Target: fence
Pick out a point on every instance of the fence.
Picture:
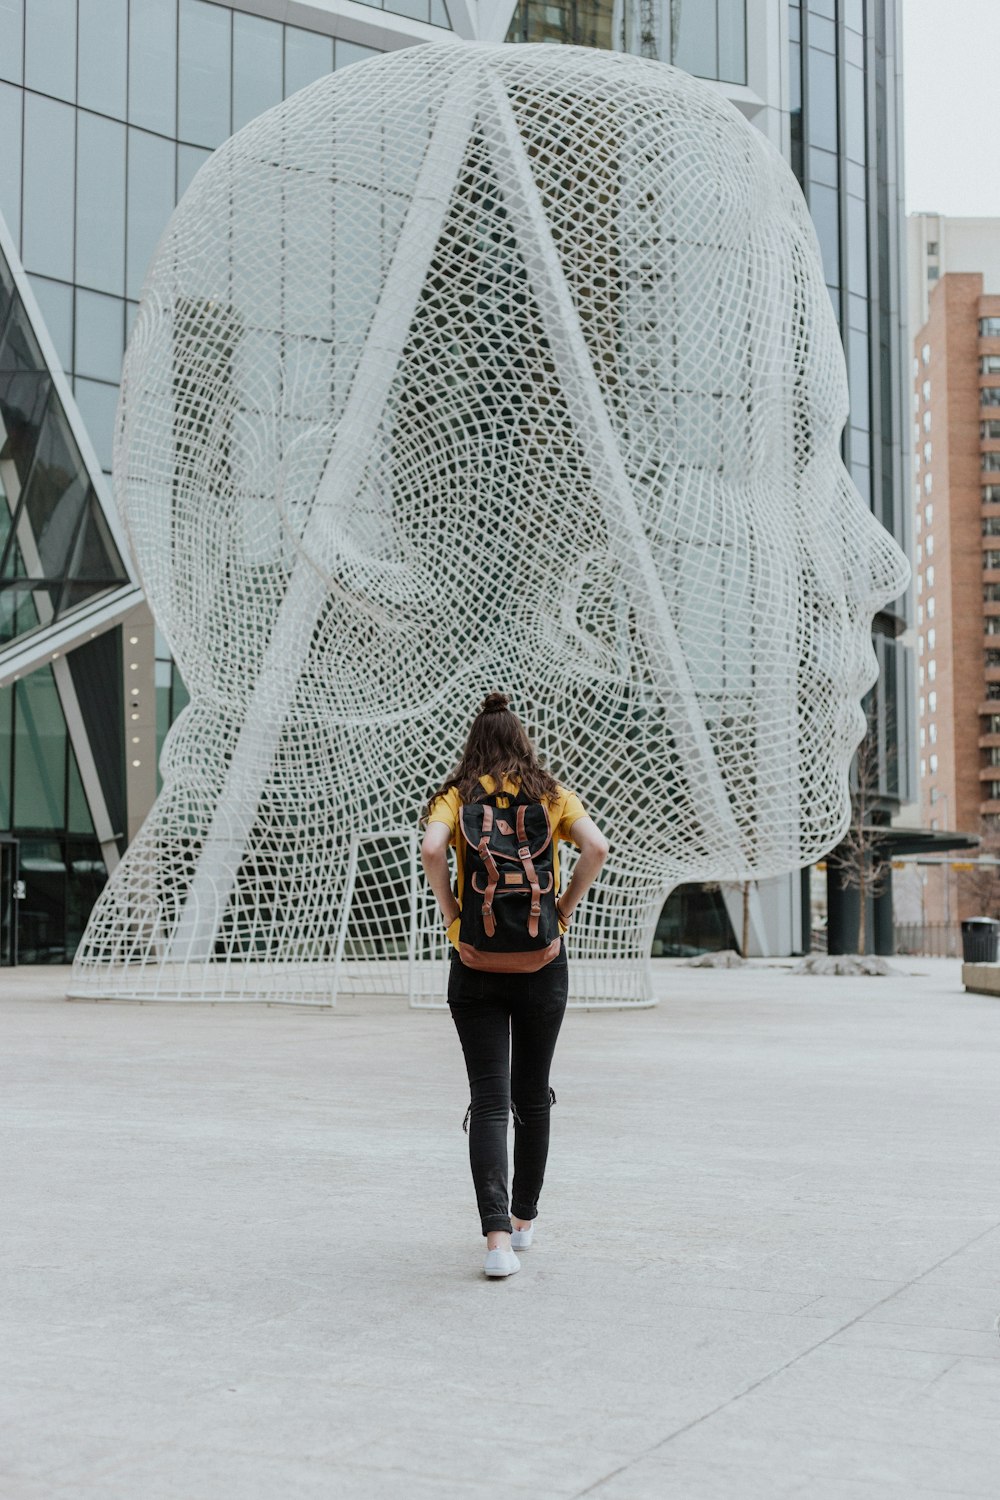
(929, 939)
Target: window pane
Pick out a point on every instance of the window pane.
(12, 31)
(98, 404)
(203, 102)
(307, 57)
(99, 335)
(103, 56)
(54, 498)
(50, 47)
(152, 63)
(189, 159)
(857, 245)
(39, 753)
(732, 41)
(345, 53)
(854, 108)
(10, 156)
(822, 77)
(150, 201)
(824, 208)
(6, 741)
(256, 67)
(695, 37)
(48, 187)
(55, 301)
(100, 225)
(439, 14)
(41, 916)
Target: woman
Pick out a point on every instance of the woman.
(507, 1022)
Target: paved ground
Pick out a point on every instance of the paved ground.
(242, 1260)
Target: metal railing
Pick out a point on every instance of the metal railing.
(929, 939)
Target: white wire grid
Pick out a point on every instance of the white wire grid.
(470, 368)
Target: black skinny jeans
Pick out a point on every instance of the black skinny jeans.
(508, 1025)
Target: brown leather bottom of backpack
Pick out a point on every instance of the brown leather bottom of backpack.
(509, 963)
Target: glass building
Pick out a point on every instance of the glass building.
(107, 109)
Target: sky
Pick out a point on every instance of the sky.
(951, 86)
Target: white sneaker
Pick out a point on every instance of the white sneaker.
(501, 1263)
(520, 1239)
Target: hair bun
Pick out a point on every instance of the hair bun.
(495, 703)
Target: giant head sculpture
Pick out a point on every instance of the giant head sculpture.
(476, 367)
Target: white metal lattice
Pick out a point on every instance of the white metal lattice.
(470, 368)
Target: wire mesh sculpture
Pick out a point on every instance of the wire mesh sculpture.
(467, 368)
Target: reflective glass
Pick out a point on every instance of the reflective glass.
(732, 41)
(6, 743)
(824, 208)
(50, 47)
(79, 813)
(854, 14)
(189, 159)
(100, 199)
(854, 108)
(151, 162)
(204, 86)
(86, 877)
(695, 37)
(39, 754)
(822, 34)
(152, 65)
(95, 564)
(854, 48)
(47, 235)
(12, 31)
(54, 499)
(103, 56)
(439, 14)
(23, 398)
(10, 157)
(345, 53)
(822, 82)
(414, 10)
(41, 916)
(55, 301)
(99, 335)
(857, 245)
(858, 380)
(307, 57)
(98, 404)
(257, 48)
(823, 8)
(823, 167)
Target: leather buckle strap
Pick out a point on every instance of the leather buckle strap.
(489, 920)
(524, 855)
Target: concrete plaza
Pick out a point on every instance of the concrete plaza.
(242, 1261)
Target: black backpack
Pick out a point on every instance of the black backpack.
(509, 922)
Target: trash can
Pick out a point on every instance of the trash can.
(980, 940)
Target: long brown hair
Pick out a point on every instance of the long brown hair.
(497, 746)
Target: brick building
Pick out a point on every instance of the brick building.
(956, 459)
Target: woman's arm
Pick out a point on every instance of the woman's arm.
(434, 858)
(593, 847)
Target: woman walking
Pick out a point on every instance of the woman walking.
(505, 816)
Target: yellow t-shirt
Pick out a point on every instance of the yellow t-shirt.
(563, 811)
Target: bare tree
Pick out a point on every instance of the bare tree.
(858, 856)
(979, 884)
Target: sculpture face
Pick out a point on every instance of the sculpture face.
(495, 367)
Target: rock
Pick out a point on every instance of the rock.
(844, 963)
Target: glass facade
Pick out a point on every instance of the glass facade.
(107, 110)
(56, 551)
(845, 136)
(705, 37)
